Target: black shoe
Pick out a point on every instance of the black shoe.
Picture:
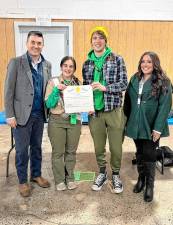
(141, 171)
(99, 181)
(139, 185)
(148, 194)
(150, 177)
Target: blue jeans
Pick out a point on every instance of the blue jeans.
(29, 137)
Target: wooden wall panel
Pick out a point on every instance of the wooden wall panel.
(79, 40)
(113, 31)
(9, 25)
(3, 59)
(127, 38)
(169, 54)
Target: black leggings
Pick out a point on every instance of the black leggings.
(146, 149)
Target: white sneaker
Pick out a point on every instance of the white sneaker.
(117, 185)
(71, 185)
(61, 187)
(99, 182)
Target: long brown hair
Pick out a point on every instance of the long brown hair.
(159, 80)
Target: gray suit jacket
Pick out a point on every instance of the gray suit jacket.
(19, 90)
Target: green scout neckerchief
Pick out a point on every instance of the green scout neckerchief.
(73, 117)
(98, 76)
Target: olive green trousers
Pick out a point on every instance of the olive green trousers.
(108, 124)
(64, 138)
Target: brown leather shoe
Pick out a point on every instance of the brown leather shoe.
(24, 190)
(42, 182)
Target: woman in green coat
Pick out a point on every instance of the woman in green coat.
(147, 104)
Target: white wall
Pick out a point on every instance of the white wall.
(89, 9)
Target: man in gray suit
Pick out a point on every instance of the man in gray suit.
(25, 84)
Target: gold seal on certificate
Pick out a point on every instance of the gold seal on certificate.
(78, 99)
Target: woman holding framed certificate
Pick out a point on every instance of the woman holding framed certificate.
(63, 129)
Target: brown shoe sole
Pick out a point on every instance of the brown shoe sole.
(43, 185)
(25, 190)
(25, 194)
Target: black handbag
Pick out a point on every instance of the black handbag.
(165, 157)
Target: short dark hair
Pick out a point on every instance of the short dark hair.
(35, 33)
(64, 59)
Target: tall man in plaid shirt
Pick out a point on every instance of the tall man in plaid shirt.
(106, 73)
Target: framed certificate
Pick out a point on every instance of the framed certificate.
(78, 99)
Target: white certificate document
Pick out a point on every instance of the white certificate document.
(78, 99)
